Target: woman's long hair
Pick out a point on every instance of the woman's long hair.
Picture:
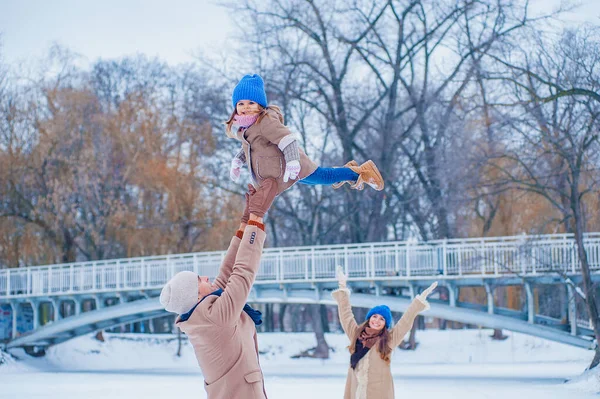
(382, 343)
(261, 115)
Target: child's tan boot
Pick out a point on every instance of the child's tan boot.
(370, 175)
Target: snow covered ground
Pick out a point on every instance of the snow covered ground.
(464, 364)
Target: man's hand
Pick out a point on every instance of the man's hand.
(260, 202)
(246, 215)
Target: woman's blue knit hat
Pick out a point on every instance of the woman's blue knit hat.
(383, 311)
(250, 87)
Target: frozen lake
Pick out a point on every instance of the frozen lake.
(462, 364)
(446, 381)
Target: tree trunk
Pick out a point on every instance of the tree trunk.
(322, 349)
(269, 317)
(411, 345)
(178, 342)
(99, 336)
(282, 309)
(498, 336)
(68, 248)
(324, 318)
(443, 324)
(588, 286)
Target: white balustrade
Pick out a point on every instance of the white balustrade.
(491, 257)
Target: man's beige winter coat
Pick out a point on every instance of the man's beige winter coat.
(263, 143)
(222, 334)
(372, 378)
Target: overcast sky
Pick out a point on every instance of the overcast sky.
(172, 30)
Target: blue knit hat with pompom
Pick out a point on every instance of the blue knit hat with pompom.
(250, 87)
(384, 312)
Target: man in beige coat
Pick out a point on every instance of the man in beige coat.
(215, 317)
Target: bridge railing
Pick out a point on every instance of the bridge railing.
(520, 255)
(584, 321)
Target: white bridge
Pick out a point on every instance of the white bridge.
(306, 274)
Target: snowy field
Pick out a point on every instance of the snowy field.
(464, 364)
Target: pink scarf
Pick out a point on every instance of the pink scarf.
(245, 121)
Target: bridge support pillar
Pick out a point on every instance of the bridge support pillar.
(317, 290)
(14, 307)
(56, 309)
(99, 302)
(452, 293)
(412, 291)
(530, 303)
(377, 289)
(571, 309)
(36, 313)
(78, 304)
(489, 290)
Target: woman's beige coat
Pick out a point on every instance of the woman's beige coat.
(263, 143)
(372, 378)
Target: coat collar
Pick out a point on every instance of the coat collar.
(254, 314)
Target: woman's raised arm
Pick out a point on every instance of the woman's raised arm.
(342, 297)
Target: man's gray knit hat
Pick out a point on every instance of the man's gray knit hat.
(180, 294)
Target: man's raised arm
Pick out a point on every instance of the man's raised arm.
(227, 264)
(228, 307)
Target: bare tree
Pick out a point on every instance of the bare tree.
(110, 163)
(388, 78)
(553, 149)
(382, 80)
